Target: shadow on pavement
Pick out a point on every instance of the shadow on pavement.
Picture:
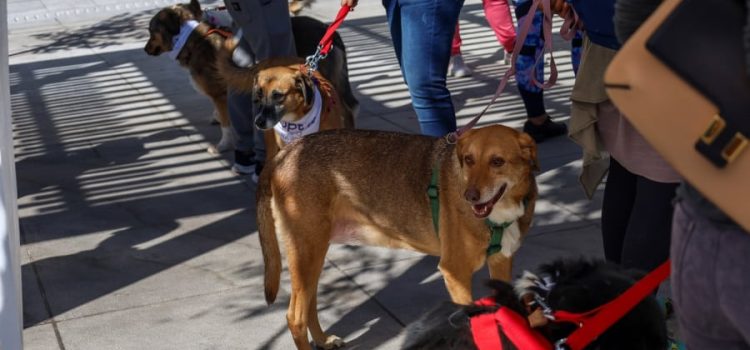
(111, 145)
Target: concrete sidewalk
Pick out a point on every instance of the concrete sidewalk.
(134, 237)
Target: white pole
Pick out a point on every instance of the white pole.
(11, 317)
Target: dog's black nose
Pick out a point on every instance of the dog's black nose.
(472, 195)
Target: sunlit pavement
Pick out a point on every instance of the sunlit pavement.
(134, 237)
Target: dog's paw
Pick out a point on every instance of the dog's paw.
(332, 342)
(213, 149)
(224, 145)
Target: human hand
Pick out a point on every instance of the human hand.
(350, 3)
(559, 7)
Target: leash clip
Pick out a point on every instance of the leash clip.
(312, 61)
(562, 344)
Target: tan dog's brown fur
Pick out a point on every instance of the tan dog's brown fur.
(370, 187)
(283, 84)
(198, 55)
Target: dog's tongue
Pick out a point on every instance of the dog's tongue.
(482, 210)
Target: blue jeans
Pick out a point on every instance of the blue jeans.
(422, 32)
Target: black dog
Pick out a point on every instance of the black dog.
(569, 285)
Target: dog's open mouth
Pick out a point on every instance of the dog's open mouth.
(483, 210)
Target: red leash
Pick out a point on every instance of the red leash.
(325, 44)
(595, 322)
(591, 323)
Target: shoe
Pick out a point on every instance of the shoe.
(506, 57)
(457, 67)
(546, 130)
(256, 173)
(244, 163)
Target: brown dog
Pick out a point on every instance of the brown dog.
(290, 102)
(371, 187)
(204, 47)
(198, 55)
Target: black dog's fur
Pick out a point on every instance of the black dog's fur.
(579, 286)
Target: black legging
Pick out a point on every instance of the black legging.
(636, 219)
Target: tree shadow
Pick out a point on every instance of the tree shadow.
(111, 146)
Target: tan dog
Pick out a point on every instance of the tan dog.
(371, 187)
(204, 47)
(198, 55)
(290, 102)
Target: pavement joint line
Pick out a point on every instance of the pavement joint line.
(571, 212)
(370, 296)
(573, 225)
(136, 5)
(383, 264)
(51, 319)
(147, 305)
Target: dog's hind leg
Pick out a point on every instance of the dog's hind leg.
(306, 252)
(320, 338)
(227, 134)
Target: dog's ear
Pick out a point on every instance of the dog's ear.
(461, 145)
(195, 8)
(305, 85)
(170, 20)
(528, 150)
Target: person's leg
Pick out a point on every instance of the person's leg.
(456, 44)
(428, 26)
(240, 109)
(709, 281)
(646, 244)
(269, 34)
(532, 95)
(393, 14)
(539, 124)
(575, 51)
(619, 196)
(456, 66)
(497, 13)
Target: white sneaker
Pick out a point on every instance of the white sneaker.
(457, 67)
(506, 57)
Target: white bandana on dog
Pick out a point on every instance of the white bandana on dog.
(308, 124)
(179, 41)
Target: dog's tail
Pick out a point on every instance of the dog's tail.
(237, 78)
(269, 242)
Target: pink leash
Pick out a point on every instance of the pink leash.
(547, 32)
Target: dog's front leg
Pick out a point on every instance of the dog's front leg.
(500, 266)
(458, 265)
(227, 133)
(458, 282)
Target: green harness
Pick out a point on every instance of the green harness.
(496, 230)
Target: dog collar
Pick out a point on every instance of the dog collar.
(179, 41)
(308, 124)
(496, 230)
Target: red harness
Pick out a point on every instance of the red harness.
(591, 323)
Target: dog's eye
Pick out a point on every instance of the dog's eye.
(468, 160)
(258, 94)
(497, 161)
(277, 95)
